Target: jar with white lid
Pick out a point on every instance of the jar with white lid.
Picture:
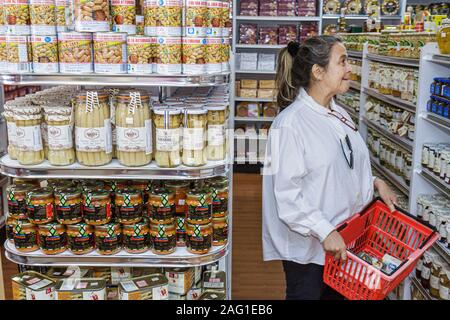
(194, 142)
(216, 137)
(59, 121)
(30, 148)
(168, 137)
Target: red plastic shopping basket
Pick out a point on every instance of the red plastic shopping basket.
(375, 230)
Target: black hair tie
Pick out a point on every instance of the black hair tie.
(293, 48)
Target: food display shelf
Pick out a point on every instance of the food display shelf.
(355, 54)
(357, 17)
(436, 182)
(255, 72)
(397, 181)
(400, 103)
(12, 168)
(254, 99)
(180, 258)
(260, 46)
(125, 80)
(443, 59)
(438, 121)
(355, 85)
(405, 62)
(254, 119)
(404, 143)
(349, 110)
(442, 250)
(277, 18)
(421, 289)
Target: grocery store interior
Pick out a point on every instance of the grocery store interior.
(133, 135)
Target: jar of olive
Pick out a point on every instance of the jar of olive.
(96, 207)
(68, 206)
(163, 237)
(136, 237)
(128, 204)
(40, 205)
(108, 238)
(17, 200)
(25, 236)
(219, 194)
(199, 238)
(81, 238)
(52, 238)
(199, 204)
(161, 205)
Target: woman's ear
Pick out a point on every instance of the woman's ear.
(317, 72)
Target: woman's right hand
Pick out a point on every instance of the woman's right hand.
(334, 244)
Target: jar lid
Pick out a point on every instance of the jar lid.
(218, 181)
(196, 192)
(92, 185)
(177, 184)
(68, 193)
(114, 226)
(216, 107)
(51, 226)
(161, 191)
(201, 226)
(96, 194)
(25, 223)
(130, 192)
(14, 189)
(126, 95)
(137, 226)
(40, 193)
(162, 111)
(27, 110)
(195, 111)
(101, 95)
(81, 227)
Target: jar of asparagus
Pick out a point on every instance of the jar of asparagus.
(216, 149)
(134, 129)
(93, 135)
(60, 141)
(30, 149)
(12, 136)
(168, 137)
(194, 139)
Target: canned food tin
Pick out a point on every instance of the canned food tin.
(214, 19)
(124, 16)
(213, 56)
(193, 55)
(110, 52)
(169, 18)
(18, 54)
(75, 52)
(45, 54)
(194, 293)
(42, 17)
(3, 59)
(225, 54)
(31, 285)
(151, 287)
(91, 15)
(141, 54)
(17, 17)
(194, 18)
(226, 18)
(62, 15)
(168, 60)
(150, 17)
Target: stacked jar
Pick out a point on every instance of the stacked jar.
(436, 158)
(219, 195)
(199, 229)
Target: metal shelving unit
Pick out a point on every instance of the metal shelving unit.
(255, 119)
(402, 104)
(349, 110)
(443, 251)
(277, 18)
(354, 54)
(421, 289)
(255, 72)
(437, 183)
(437, 120)
(260, 46)
(397, 181)
(355, 85)
(404, 143)
(357, 17)
(253, 99)
(405, 62)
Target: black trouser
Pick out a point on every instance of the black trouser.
(305, 282)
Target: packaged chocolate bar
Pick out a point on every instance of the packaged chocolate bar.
(248, 33)
(268, 35)
(287, 33)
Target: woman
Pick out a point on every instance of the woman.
(317, 171)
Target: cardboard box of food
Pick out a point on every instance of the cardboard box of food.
(266, 93)
(266, 84)
(248, 93)
(249, 84)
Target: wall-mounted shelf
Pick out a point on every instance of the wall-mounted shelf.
(277, 18)
(400, 103)
(254, 119)
(397, 181)
(404, 143)
(405, 62)
(436, 182)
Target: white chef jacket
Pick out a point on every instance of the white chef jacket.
(308, 186)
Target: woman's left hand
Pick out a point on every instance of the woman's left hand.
(386, 194)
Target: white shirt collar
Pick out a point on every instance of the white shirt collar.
(312, 104)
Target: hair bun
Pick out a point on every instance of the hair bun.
(293, 48)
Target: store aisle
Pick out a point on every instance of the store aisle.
(252, 278)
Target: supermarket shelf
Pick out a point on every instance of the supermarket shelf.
(400, 103)
(12, 168)
(422, 290)
(357, 17)
(277, 18)
(260, 46)
(437, 183)
(437, 120)
(253, 99)
(150, 80)
(255, 119)
(355, 54)
(349, 110)
(408, 62)
(440, 58)
(404, 143)
(180, 258)
(397, 181)
(355, 85)
(255, 72)
(442, 250)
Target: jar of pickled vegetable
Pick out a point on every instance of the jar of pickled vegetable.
(168, 137)
(30, 147)
(161, 205)
(96, 207)
(163, 237)
(179, 189)
(199, 238)
(61, 151)
(216, 136)
(199, 204)
(128, 204)
(443, 37)
(219, 194)
(40, 205)
(136, 237)
(220, 231)
(108, 238)
(12, 134)
(194, 137)
(25, 236)
(52, 238)
(17, 206)
(81, 238)
(68, 206)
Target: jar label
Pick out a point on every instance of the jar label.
(216, 135)
(97, 213)
(193, 138)
(138, 139)
(81, 243)
(162, 242)
(181, 231)
(220, 206)
(17, 207)
(168, 140)
(199, 243)
(29, 138)
(419, 265)
(137, 243)
(129, 212)
(12, 133)
(25, 240)
(94, 139)
(68, 213)
(56, 242)
(60, 137)
(162, 213)
(444, 292)
(426, 272)
(199, 212)
(108, 244)
(40, 212)
(434, 282)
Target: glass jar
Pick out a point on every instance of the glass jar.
(93, 134)
(194, 139)
(17, 206)
(40, 205)
(443, 37)
(136, 237)
(199, 204)
(9, 228)
(164, 237)
(96, 207)
(81, 238)
(161, 205)
(134, 129)
(128, 204)
(216, 136)
(179, 189)
(108, 238)
(30, 148)
(426, 270)
(444, 284)
(59, 122)
(219, 194)
(419, 267)
(68, 206)
(199, 238)
(168, 137)
(12, 133)
(25, 236)
(408, 169)
(436, 268)
(144, 187)
(52, 238)
(220, 231)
